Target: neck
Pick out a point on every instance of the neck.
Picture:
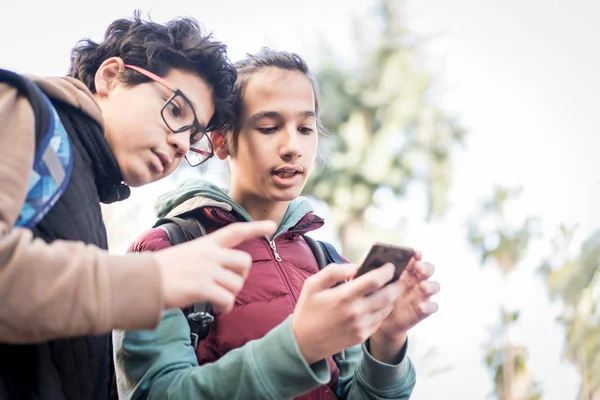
(259, 209)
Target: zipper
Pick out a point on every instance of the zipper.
(274, 248)
(281, 269)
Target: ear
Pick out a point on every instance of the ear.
(220, 143)
(107, 76)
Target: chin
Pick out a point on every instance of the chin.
(287, 194)
(137, 180)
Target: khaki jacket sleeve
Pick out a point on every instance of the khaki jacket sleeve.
(66, 288)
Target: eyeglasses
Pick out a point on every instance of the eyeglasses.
(179, 116)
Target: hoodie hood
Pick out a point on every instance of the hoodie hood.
(198, 193)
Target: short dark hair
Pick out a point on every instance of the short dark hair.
(269, 58)
(180, 43)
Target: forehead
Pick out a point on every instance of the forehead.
(278, 90)
(196, 90)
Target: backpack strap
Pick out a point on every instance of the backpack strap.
(198, 315)
(181, 230)
(317, 251)
(324, 252)
(331, 254)
(53, 160)
(36, 98)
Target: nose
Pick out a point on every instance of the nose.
(180, 142)
(291, 147)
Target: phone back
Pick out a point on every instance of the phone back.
(382, 253)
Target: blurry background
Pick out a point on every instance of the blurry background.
(467, 129)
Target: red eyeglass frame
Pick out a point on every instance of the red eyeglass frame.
(195, 124)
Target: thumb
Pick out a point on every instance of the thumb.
(238, 232)
(331, 275)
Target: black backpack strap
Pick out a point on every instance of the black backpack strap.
(181, 230)
(199, 315)
(317, 251)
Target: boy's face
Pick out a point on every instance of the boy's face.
(144, 146)
(277, 143)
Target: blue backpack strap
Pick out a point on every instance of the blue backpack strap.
(324, 252)
(52, 167)
(331, 254)
(36, 98)
(53, 160)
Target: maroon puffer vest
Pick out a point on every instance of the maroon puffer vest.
(269, 295)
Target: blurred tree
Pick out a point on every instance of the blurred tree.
(494, 237)
(575, 281)
(386, 130)
(508, 363)
(504, 244)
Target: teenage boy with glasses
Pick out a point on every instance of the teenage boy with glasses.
(61, 293)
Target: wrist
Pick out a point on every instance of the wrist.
(164, 281)
(389, 339)
(387, 348)
(304, 345)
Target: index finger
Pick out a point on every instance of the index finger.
(238, 232)
(369, 282)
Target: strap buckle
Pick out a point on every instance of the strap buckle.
(204, 318)
(195, 340)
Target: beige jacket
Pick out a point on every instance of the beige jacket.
(66, 288)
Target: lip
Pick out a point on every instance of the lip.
(289, 168)
(288, 182)
(165, 161)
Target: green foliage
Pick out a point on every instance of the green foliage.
(497, 239)
(499, 355)
(575, 280)
(385, 129)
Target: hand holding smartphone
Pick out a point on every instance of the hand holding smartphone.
(382, 253)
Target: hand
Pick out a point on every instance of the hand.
(327, 320)
(411, 307)
(207, 269)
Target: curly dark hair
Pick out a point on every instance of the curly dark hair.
(180, 43)
(270, 58)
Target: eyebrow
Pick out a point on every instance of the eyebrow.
(277, 115)
(195, 108)
(203, 127)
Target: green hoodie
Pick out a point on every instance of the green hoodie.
(162, 364)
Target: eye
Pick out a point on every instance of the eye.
(305, 130)
(174, 109)
(267, 130)
(195, 136)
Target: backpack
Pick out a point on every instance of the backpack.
(53, 160)
(199, 315)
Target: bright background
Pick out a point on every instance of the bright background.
(523, 78)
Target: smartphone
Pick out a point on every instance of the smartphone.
(382, 253)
